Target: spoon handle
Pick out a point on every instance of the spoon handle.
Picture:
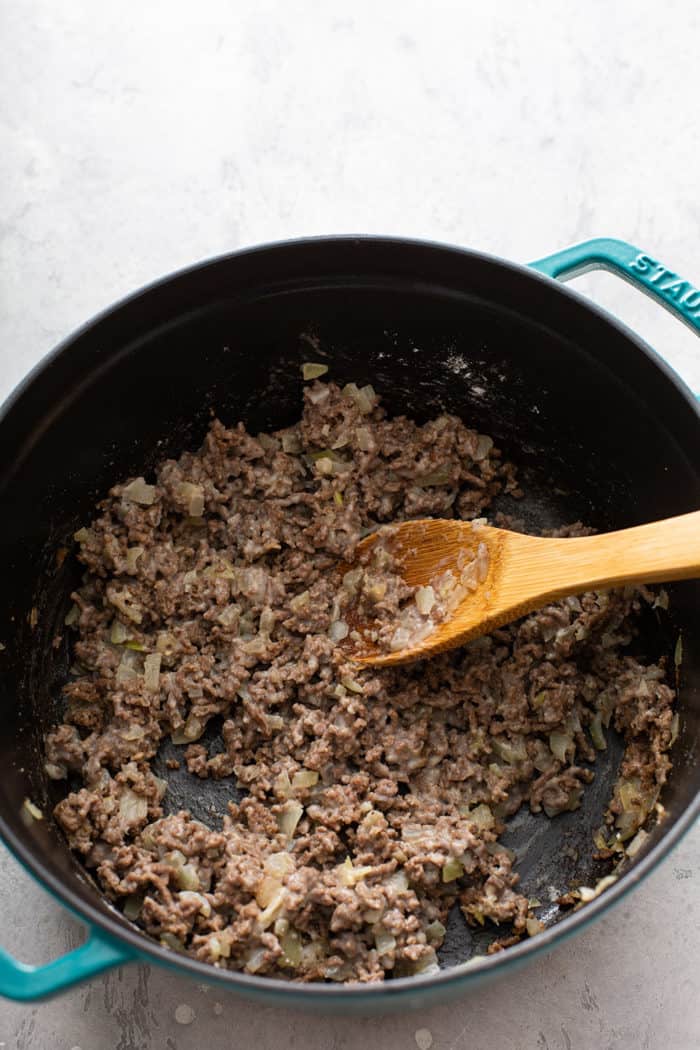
(654, 553)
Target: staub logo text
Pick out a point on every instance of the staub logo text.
(668, 284)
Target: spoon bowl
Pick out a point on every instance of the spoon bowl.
(524, 572)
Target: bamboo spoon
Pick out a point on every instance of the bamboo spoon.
(526, 572)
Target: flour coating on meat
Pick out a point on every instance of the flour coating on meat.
(374, 798)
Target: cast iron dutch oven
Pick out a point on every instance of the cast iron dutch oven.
(600, 427)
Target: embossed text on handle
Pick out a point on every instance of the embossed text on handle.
(668, 284)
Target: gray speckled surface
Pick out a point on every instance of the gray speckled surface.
(135, 138)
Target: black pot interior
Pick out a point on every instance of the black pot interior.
(599, 433)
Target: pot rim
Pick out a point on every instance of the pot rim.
(479, 967)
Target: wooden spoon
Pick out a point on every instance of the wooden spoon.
(526, 572)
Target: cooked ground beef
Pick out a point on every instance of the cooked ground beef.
(375, 798)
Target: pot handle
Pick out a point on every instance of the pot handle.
(678, 296)
(25, 983)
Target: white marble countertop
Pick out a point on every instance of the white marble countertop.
(135, 138)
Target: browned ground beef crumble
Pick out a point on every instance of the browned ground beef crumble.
(375, 799)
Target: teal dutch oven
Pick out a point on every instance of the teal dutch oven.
(600, 427)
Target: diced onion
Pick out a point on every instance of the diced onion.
(452, 870)
(398, 881)
(290, 943)
(228, 616)
(219, 945)
(366, 399)
(31, 810)
(562, 745)
(166, 643)
(132, 556)
(306, 778)
(375, 589)
(289, 816)
(272, 910)
(255, 959)
(283, 785)
(482, 562)
(278, 865)
(134, 732)
(132, 907)
(124, 601)
(352, 580)
(533, 926)
(151, 672)
(317, 394)
(118, 633)
(133, 808)
(192, 496)
(127, 671)
(351, 685)
(349, 875)
(300, 601)
(424, 599)
(511, 751)
(401, 637)
(435, 932)
(427, 964)
(324, 465)
(187, 877)
(675, 725)
(312, 370)
(169, 940)
(291, 443)
(494, 848)
(661, 600)
(365, 440)
(484, 445)
(482, 816)
(148, 837)
(223, 570)
(587, 894)
(191, 897)
(630, 792)
(271, 444)
(338, 630)
(194, 727)
(543, 759)
(637, 842)
(384, 941)
(597, 734)
(139, 492)
(413, 832)
(266, 890)
(678, 651)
